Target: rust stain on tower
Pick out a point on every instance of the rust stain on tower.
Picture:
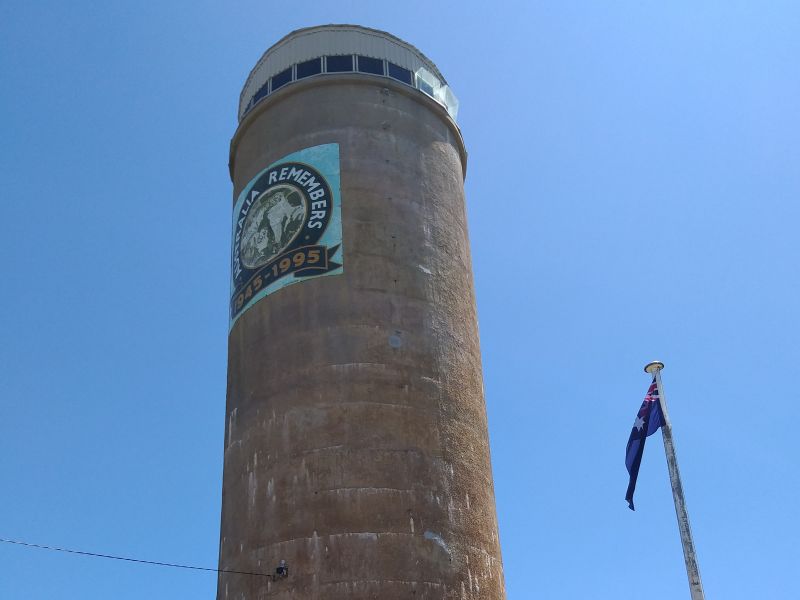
(356, 446)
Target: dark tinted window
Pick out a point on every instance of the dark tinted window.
(370, 65)
(338, 64)
(400, 74)
(263, 91)
(309, 68)
(281, 79)
(422, 85)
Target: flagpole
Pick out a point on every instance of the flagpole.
(689, 554)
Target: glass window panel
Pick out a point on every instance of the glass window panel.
(263, 91)
(367, 64)
(281, 78)
(309, 68)
(426, 81)
(425, 87)
(399, 73)
(339, 64)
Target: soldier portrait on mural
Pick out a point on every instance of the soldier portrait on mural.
(274, 222)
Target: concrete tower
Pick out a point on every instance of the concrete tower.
(356, 446)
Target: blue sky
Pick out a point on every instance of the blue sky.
(632, 192)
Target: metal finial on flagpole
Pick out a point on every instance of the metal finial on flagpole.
(653, 366)
(689, 554)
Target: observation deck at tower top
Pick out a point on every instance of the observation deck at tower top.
(339, 49)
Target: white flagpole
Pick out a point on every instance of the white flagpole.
(689, 554)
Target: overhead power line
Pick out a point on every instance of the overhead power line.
(128, 559)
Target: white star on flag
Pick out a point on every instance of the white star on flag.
(639, 423)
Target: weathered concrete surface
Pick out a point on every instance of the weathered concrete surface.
(356, 443)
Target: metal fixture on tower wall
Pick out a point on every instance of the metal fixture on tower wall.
(356, 445)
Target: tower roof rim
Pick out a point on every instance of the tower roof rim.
(343, 27)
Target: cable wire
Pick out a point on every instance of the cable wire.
(134, 560)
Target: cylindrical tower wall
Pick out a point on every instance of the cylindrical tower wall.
(356, 445)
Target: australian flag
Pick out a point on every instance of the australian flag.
(647, 422)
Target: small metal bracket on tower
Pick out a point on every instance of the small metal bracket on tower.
(281, 571)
